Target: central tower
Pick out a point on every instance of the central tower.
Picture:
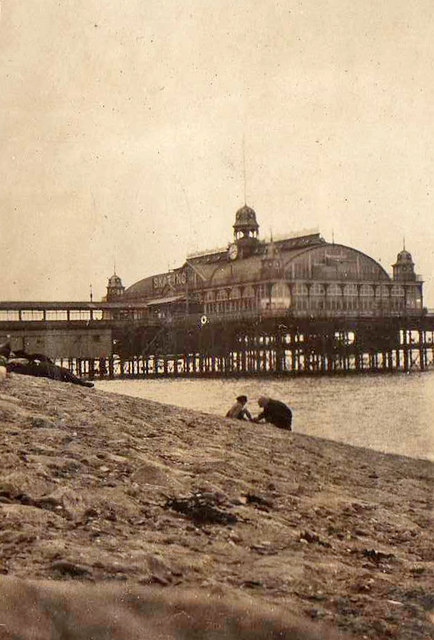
(246, 230)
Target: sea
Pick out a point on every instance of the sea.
(392, 413)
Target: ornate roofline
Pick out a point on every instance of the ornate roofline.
(343, 246)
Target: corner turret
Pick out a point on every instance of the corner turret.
(115, 288)
(403, 269)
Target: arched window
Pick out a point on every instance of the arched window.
(414, 300)
(300, 292)
(221, 298)
(350, 297)
(350, 290)
(280, 296)
(334, 297)
(334, 290)
(317, 297)
(249, 292)
(234, 299)
(397, 300)
(300, 289)
(317, 289)
(248, 301)
(367, 297)
(366, 290)
(397, 290)
(384, 291)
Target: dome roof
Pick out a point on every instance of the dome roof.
(404, 256)
(115, 281)
(245, 218)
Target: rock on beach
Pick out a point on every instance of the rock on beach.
(104, 488)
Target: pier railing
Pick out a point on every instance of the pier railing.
(118, 339)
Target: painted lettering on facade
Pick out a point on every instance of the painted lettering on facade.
(174, 280)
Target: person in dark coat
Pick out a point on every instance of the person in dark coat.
(238, 410)
(275, 412)
(32, 365)
(5, 349)
(32, 356)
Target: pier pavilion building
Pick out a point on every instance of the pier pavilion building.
(303, 276)
(285, 305)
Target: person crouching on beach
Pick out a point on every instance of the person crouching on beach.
(238, 410)
(3, 370)
(275, 412)
(5, 349)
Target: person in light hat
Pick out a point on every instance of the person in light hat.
(3, 370)
(238, 410)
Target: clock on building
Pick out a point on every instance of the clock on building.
(233, 252)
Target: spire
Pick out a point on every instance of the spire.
(271, 250)
(244, 169)
(271, 259)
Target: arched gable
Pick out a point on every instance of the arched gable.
(333, 261)
(141, 289)
(238, 271)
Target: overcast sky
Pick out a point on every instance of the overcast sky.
(122, 125)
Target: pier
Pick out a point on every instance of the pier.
(297, 305)
(274, 343)
(120, 340)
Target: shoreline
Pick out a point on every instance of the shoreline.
(104, 486)
(389, 415)
(305, 435)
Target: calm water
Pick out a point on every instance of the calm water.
(391, 413)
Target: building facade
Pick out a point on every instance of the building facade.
(302, 276)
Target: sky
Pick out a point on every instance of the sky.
(123, 124)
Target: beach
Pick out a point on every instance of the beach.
(98, 486)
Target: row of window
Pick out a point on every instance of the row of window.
(282, 290)
(230, 306)
(48, 316)
(344, 270)
(312, 304)
(354, 304)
